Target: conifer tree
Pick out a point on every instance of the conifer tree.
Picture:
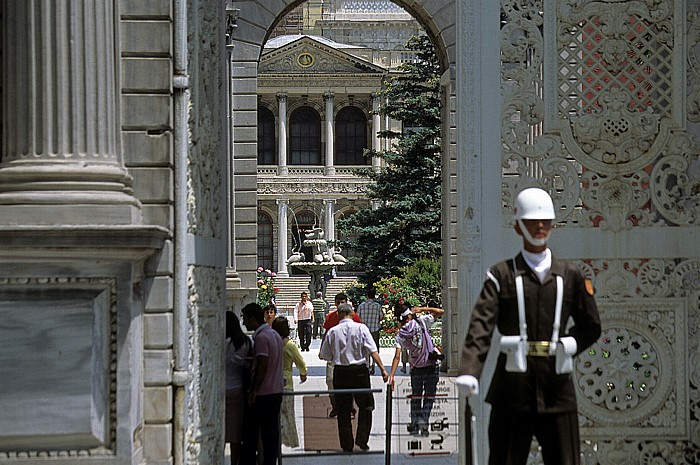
(404, 224)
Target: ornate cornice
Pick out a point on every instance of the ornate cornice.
(329, 187)
(289, 81)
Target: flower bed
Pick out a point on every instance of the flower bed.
(387, 336)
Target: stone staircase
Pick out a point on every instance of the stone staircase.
(290, 287)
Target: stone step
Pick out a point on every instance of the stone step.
(290, 287)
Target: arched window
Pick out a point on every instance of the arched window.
(350, 137)
(265, 252)
(305, 137)
(302, 222)
(266, 137)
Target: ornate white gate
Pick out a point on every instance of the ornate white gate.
(600, 106)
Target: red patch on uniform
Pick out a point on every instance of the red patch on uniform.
(589, 287)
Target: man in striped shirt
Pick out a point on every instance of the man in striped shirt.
(370, 312)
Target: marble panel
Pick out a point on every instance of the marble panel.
(54, 368)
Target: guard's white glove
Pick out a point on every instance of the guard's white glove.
(467, 384)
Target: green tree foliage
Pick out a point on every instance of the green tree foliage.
(406, 225)
(425, 278)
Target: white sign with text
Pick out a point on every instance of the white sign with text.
(442, 435)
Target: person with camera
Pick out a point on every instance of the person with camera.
(424, 359)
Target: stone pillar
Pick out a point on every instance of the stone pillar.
(330, 223)
(376, 127)
(61, 157)
(282, 148)
(330, 169)
(282, 206)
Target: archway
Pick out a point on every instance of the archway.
(438, 20)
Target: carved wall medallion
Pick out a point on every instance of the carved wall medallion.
(614, 139)
(305, 60)
(633, 376)
(616, 203)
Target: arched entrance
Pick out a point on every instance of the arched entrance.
(437, 17)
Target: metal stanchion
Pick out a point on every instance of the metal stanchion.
(389, 420)
(471, 452)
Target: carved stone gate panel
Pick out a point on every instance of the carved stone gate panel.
(601, 103)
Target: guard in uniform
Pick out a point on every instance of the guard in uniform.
(532, 299)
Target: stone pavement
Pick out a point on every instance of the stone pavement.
(315, 428)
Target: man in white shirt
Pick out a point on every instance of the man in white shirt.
(349, 346)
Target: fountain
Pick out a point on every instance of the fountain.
(321, 262)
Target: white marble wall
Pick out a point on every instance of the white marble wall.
(55, 368)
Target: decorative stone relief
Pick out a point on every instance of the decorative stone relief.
(618, 202)
(693, 41)
(309, 56)
(638, 385)
(590, 111)
(613, 139)
(206, 145)
(203, 435)
(632, 378)
(330, 187)
(324, 81)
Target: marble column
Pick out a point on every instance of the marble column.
(376, 127)
(282, 169)
(282, 209)
(329, 205)
(330, 168)
(61, 159)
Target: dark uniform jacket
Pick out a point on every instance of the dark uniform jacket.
(540, 389)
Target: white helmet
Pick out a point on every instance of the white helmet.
(534, 204)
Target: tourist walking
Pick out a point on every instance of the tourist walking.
(370, 312)
(238, 378)
(291, 356)
(349, 345)
(303, 317)
(320, 312)
(424, 358)
(265, 393)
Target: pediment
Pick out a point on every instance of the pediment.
(308, 56)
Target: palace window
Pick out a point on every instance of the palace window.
(351, 136)
(265, 252)
(266, 137)
(305, 137)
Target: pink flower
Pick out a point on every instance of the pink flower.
(268, 271)
(260, 282)
(260, 268)
(274, 274)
